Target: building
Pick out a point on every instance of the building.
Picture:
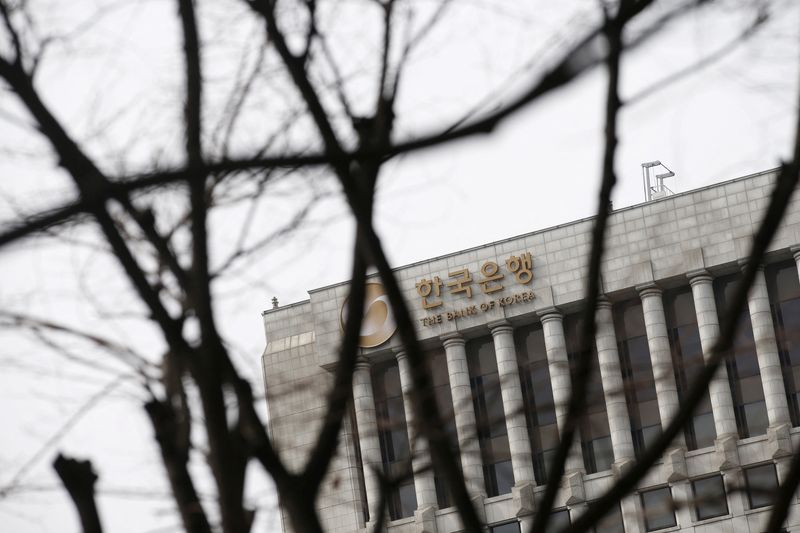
(499, 325)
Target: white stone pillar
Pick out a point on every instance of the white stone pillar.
(632, 515)
(719, 389)
(364, 404)
(560, 380)
(513, 404)
(655, 323)
(464, 410)
(619, 422)
(769, 362)
(424, 484)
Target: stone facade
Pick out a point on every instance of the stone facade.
(687, 239)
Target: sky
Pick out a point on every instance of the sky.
(118, 86)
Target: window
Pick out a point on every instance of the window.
(489, 416)
(637, 373)
(393, 435)
(784, 297)
(687, 360)
(537, 392)
(762, 483)
(742, 363)
(598, 454)
(508, 527)
(611, 522)
(659, 511)
(710, 499)
(559, 520)
(437, 361)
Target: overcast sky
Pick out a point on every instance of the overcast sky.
(118, 88)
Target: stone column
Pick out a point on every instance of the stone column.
(631, 508)
(464, 410)
(769, 364)
(424, 485)
(719, 389)
(655, 323)
(364, 404)
(767, 349)
(560, 379)
(513, 404)
(619, 422)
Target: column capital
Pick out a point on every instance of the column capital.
(400, 354)
(701, 275)
(500, 326)
(452, 339)
(362, 363)
(795, 252)
(603, 302)
(550, 313)
(648, 289)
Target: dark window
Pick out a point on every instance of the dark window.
(508, 527)
(402, 501)
(598, 454)
(742, 363)
(611, 522)
(784, 296)
(637, 373)
(762, 484)
(537, 392)
(710, 499)
(659, 511)
(490, 417)
(559, 520)
(687, 359)
(437, 361)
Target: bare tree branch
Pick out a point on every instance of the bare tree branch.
(583, 373)
(787, 181)
(79, 478)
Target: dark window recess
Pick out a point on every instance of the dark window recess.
(437, 361)
(489, 416)
(742, 363)
(393, 435)
(658, 509)
(637, 373)
(762, 485)
(537, 393)
(710, 499)
(611, 522)
(598, 453)
(508, 527)
(687, 360)
(559, 520)
(784, 297)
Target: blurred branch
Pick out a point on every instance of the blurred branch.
(583, 373)
(175, 456)
(786, 184)
(79, 479)
(56, 437)
(124, 353)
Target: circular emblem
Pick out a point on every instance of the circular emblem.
(378, 324)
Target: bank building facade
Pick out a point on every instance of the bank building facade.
(498, 324)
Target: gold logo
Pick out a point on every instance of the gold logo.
(378, 325)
